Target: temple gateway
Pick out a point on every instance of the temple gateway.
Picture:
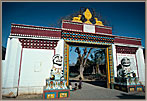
(37, 58)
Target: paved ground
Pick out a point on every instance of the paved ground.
(92, 92)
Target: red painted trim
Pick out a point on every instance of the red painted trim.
(57, 94)
(133, 85)
(127, 41)
(35, 32)
(35, 26)
(72, 26)
(54, 51)
(98, 29)
(20, 68)
(127, 37)
(117, 62)
(82, 23)
(103, 30)
(137, 66)
(39, 48)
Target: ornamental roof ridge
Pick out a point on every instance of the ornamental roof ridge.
(33, 26)
(125, 37)
(69, 21)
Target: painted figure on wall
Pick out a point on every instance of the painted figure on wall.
(124, 69)
(57, 69)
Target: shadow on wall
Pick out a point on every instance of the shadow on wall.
(144, 52)
(3, 53)
(131, 96)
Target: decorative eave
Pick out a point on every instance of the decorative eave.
(127, 40)
(34, 27)
(79, 27)
(35, 31)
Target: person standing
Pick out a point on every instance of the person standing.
(80, 83)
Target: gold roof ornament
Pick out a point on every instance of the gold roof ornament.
(98, 22)
(77, 19)
(88, 16)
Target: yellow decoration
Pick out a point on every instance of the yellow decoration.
(108, 69)
(77, 19)
(67, 64)
(88, 16)
(131, 89)
(63, 95)
(139, 89)
(98, 22)
(50, 96)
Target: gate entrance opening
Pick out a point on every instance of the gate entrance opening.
(97, 67)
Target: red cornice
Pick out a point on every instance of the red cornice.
(120, 37)
(82, 23)
(23, 25)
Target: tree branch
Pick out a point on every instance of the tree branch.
(85, 52)
(77, 50)
(87, 56)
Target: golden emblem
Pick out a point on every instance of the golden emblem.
(77, 19)
(98, 22)
(88, 16)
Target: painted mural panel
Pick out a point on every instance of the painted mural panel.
(128, 63)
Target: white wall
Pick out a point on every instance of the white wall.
(141, 65)
(35, 68)
(3, 72)
(11, 68)
(114, 60)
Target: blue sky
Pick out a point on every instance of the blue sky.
(126, 18)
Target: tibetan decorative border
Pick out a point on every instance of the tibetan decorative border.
(65, 61)
(97, 43)
(32, 36)
(87, 38)
(38, 44)
(111, 64)
(126, 50)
